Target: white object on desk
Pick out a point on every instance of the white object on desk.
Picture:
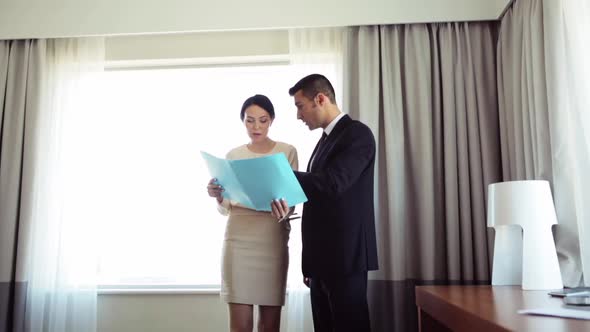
(558, 312)
(522, 213)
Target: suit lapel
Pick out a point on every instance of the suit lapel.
(319, 155)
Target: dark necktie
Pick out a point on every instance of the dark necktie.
(319, 149)
(322, 139)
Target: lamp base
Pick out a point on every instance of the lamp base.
(540, 270)
(507, 268)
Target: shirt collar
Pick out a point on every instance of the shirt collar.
(332, 124)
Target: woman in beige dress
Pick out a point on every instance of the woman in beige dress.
(255, 251)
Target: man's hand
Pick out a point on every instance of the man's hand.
(307, 281)
(280, 208)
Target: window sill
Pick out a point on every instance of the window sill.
(157, 290)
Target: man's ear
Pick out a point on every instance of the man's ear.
(321, 99)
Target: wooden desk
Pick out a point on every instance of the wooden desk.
(487, 308)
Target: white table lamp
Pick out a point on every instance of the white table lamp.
(522, 214)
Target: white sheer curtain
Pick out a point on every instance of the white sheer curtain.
(319, 49)
(567, 46)
(59, 257)
(312, 51)
(543, 83)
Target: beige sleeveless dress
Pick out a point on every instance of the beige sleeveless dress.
(255, 255)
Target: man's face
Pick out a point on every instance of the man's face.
(307, 110)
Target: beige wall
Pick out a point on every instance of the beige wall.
(170, 313)
(197, 45)
(69, 18)
(161, 312)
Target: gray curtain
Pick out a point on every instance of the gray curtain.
(429, 94)
(20, 95)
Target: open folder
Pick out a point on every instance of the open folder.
(256, 182)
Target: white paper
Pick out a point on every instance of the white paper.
(558, 312)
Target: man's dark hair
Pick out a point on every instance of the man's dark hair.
(260, 100)
(313, 84)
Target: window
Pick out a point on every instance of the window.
(158, 225)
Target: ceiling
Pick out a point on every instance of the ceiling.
(71, 18)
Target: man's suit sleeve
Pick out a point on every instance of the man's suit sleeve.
(351, 156)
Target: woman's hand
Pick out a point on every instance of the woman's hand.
(215, 190)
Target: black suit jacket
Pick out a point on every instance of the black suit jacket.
(338, 221)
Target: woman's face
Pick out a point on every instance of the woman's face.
(257, 121)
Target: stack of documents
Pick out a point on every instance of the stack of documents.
(256, 182)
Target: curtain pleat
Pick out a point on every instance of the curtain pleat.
(20, 93)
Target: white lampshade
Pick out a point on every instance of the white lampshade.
(522, 213)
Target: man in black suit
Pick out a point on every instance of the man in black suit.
(338, 222)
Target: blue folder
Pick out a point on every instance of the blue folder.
(256, 182)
